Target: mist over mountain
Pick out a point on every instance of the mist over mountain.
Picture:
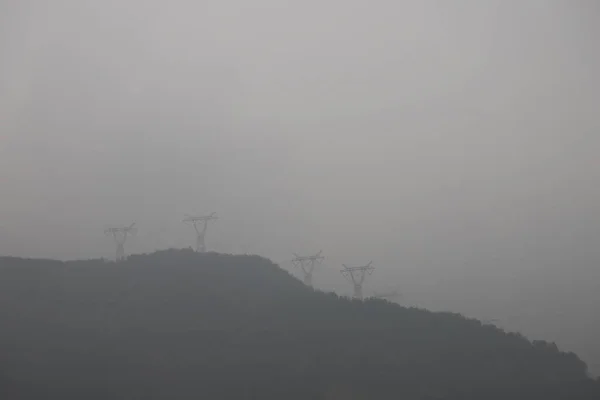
(180, 324)
(455, 144)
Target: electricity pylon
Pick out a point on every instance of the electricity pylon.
(120, 234)
(356, 276)
(307, 264)
(200, 233)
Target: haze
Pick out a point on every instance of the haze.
(453, 143)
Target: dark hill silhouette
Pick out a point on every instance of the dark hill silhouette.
(181, 325)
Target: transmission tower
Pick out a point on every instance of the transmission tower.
(120, 234)
(356, 276)
(307, 264)
(200, 232)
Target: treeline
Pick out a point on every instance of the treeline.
(177, 324)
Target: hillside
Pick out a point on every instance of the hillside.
(177, 325)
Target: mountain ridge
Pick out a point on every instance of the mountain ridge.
(179, 324)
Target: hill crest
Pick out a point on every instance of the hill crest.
(150, 321)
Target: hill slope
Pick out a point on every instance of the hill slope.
(179, 325)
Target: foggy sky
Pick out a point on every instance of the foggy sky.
(455, 144)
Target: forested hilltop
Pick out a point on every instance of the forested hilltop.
(182, 325)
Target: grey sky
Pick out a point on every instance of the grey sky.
(454, 143)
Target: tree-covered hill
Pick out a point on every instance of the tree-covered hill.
(181, 325)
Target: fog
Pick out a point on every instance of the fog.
(453, 143)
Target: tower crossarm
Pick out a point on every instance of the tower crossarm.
(358, 274)
(204, 218)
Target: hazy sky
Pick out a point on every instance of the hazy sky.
(454, 143)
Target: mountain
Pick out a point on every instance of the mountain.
(181, 325)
